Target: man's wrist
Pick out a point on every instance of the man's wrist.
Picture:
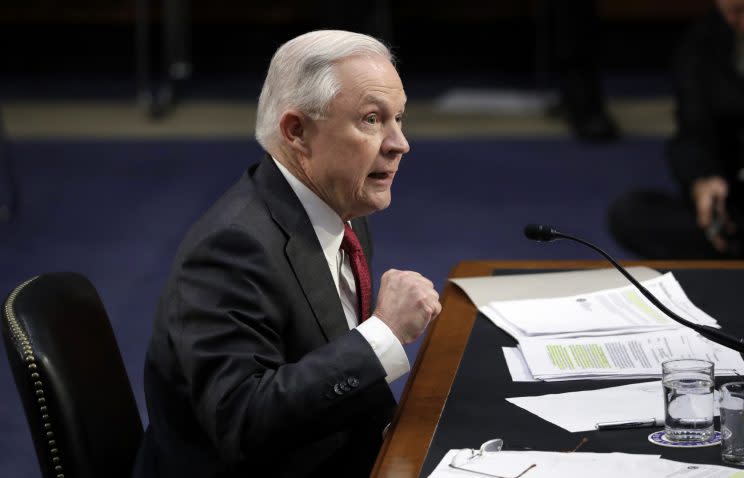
(386, 345)
(383, 317)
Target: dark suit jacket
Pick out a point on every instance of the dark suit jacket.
(252, 370)
(710, 109)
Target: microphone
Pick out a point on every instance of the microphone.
(545, 233)
(540, 232)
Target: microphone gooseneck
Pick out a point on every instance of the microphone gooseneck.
(545, 233)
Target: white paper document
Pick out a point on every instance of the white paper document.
(542, 464)
(606, 312)
(583, 410)
(613, 333)
(622, 356)
(518, 368)
(485, 289)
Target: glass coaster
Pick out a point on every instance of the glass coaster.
(659, 438)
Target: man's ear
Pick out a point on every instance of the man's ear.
(295, 128)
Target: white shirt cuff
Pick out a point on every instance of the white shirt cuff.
(386, 346)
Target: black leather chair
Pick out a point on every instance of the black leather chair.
(70, 376)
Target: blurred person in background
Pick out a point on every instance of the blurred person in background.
(574, 31)
(706, 155)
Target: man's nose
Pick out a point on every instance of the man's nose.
(395, 142)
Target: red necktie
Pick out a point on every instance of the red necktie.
(350, 245)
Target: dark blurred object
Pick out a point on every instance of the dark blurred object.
(81, 36)
(69, 373)
(573, 30)
(708, 145)
(83, 49)
(373, 18)
(163, 62)
(658, 225)
(7, 183)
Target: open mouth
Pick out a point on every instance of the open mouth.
(380, 175)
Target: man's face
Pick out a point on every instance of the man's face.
(733, 12)
(355, 151)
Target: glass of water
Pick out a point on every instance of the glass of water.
(732, 423)
(688, 399)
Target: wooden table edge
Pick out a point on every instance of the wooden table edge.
(407, 442)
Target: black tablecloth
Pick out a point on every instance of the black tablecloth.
(476, 409)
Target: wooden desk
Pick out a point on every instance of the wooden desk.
(407, 443)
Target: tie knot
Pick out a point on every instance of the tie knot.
(350, 243)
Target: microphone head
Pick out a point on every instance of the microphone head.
(540, 232)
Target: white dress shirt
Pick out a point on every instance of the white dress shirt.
(329, 228)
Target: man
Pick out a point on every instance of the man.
(259, 365)
(706, 155)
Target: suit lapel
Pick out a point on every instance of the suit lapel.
(303, 250)
(316, 281)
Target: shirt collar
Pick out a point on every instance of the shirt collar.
(328, 225)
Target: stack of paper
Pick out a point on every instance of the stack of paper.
(606, 312)
(612, 333)
(622, 356)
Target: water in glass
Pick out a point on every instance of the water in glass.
(732, 423)
(688, 404)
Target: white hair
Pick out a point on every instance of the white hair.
(301, 75)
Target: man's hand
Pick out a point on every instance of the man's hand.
(407, 302)
(710, 195)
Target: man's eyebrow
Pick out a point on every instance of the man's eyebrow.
(374, 99)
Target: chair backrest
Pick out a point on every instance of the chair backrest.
(71, 378)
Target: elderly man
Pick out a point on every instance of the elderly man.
(706, 156)
(267, 356)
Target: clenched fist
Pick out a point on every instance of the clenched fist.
(407, 302)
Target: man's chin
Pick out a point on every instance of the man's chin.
(382, 201)
(373, 205)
